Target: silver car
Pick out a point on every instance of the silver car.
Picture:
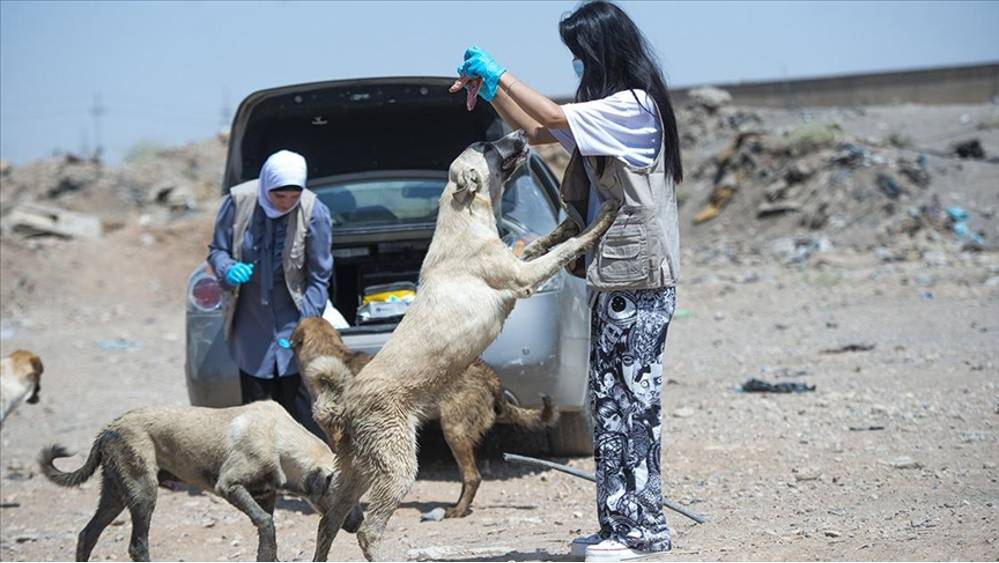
(378, 153)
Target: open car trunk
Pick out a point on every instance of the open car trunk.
(352, 126)
(353, 133)
(360, 267)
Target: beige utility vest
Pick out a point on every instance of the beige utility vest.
(244, 198)
(641, 249)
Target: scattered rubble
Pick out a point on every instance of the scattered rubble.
(916, 172)
(451, 552)
(888, 186)
(810, 138)
(710, 98)
(33, 219)
(119, 345)
(165, 182)
(435, 515)
(904, 462)
(971, 148)
(856, 347)
(760, 386)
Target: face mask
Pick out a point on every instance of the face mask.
(577, 66)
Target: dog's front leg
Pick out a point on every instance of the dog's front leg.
(559, 234)
(239, 497)
(529, 275)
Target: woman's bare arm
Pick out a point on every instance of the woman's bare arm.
(536, 105)
(507, 109)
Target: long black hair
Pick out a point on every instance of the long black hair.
(616, 56)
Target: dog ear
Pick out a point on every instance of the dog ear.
(297, 336)
(36, 365)
(467, 184)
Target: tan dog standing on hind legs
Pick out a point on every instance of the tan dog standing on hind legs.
(469, 283)
(466, 409)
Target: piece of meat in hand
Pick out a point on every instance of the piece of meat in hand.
(471, 84)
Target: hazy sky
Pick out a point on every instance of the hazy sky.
(166, 72)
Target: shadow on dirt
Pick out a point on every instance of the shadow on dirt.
(438, 464)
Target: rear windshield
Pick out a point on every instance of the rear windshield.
(380, 202)
(376, 203)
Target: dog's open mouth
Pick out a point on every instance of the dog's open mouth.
(511, 162)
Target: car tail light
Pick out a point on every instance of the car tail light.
(206, 294)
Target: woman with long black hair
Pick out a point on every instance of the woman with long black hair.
(621, 132)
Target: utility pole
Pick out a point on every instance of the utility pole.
(84, 143)
(97, 111)
(225, 113)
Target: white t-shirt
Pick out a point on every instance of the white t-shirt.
(619, 126)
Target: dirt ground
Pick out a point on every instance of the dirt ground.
(893, 456)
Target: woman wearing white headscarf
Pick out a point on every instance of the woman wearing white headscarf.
(272, 251)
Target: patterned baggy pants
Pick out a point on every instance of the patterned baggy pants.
(627, 341)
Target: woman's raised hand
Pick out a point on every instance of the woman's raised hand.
(480, 63)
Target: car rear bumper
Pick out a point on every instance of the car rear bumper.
(542, 350)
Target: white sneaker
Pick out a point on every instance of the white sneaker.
(611, 550)
(578, 546)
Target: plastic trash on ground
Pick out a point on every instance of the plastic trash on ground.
(959, 224)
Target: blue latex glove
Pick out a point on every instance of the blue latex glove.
(239, 273)
(480, 63)
(283, 342)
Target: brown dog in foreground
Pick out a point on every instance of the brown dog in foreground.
(20, 374)
(466, 410)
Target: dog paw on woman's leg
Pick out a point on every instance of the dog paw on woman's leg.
(608, 213)
(533, 250)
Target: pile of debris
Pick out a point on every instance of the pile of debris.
(816, 184)
(708, 115)
(72, 197)
(795, 186)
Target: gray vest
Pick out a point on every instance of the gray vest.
(641, 249)
(244, 198)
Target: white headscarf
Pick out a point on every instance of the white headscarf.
(283, 168)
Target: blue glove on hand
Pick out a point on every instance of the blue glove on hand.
(239, 273)
(283, 342)
(480, 63)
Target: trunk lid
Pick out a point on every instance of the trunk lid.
(355, 126)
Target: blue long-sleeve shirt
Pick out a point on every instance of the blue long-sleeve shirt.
(258, 322)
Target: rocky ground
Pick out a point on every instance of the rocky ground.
(889, 313)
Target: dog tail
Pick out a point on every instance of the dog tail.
(531, 419)
(72, 479)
